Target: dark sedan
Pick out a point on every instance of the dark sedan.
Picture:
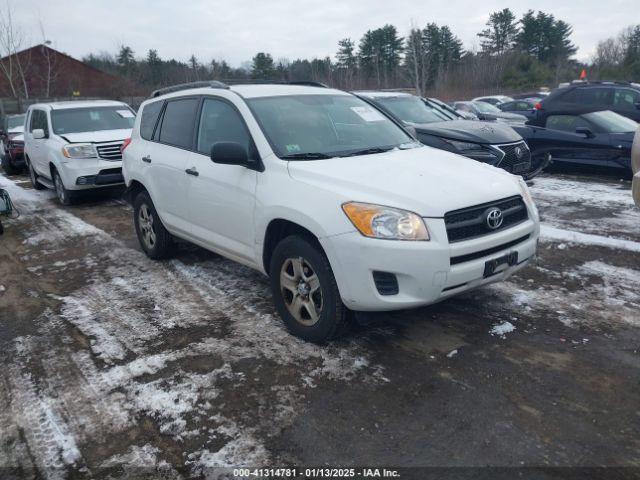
(486, 111)
(492, 143)
(598, 138)
(526, 107)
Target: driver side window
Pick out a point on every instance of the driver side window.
(39, 120)
(565, 123)
(220, 122)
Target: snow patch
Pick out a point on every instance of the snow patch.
(548, 232)
(501, 329)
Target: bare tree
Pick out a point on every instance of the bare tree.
(14, 65)
(51, 72)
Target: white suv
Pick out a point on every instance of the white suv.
(333, 200)
(72, 146)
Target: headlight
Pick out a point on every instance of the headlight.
(526, 194)
(376, 221)
(474, 150)
(79, 150)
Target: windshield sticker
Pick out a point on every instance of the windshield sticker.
(125, 113)
(94, 116)
(293, 148)
(368, 114)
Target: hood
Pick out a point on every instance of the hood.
(470, 131)
(14, 130)
(97, 137)
(513, 117)
(18, 138)
(424, 180)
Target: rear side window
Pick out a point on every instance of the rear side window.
(589, 96)
(149, 118)
(178, 122)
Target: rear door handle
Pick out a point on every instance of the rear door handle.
(192, 171)
(146, 159)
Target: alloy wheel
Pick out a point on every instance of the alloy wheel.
(301, 291)
(147, 227)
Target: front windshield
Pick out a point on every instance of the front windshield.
(92, 119)
(485, 107)
(611, 122)
(322, 126)
(411, 109)
(13, 122)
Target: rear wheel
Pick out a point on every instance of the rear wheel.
(7, 166)
(34, 177)
(65, 197)
(305, 291)
(154, 239)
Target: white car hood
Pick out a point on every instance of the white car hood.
(425, 180)
(18, 129)
(97, 137)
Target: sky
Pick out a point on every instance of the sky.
(234, 30)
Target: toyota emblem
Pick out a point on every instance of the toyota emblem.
(494, 218)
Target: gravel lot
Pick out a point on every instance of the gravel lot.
(113, 364)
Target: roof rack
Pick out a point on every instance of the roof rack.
(187, 86)
(251, 81)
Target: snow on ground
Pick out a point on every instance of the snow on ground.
(603, 208)
(548, 232)
(128, 310)
(501, 329)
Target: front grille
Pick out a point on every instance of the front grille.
(471, 222)
(488, 251)
(511, 159)
(110, 151)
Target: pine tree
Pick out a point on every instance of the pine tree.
(501, 33)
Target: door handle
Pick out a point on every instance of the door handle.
(146, 159)
(192, 171)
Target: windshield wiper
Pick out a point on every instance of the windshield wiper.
(306, 156)
(368, 151)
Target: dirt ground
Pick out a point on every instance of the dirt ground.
(113, 365)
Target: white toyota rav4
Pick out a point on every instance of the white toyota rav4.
(72, 146)
(334, 201)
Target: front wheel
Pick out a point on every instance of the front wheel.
(305, 291)
(65, 197)
(33, 176)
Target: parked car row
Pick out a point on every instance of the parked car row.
(581, 123)
(328, 193)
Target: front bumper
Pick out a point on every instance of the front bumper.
(91, 173)
(424, 271)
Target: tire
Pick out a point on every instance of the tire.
(154, 239)
(34, 177)
(7, 166)
(305, 292)
(65, 197)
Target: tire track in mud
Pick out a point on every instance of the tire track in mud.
(106, 358)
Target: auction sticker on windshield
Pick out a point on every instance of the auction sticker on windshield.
(368, 114)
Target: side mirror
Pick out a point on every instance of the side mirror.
(38, 133)
(229, 153)
(584, 131)
(412, 131)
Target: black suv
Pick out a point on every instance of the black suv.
(584, 97)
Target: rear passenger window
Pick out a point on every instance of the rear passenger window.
(220, 122)
(149, 118)
(178, 122)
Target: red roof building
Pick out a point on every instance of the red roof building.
(44, 72)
